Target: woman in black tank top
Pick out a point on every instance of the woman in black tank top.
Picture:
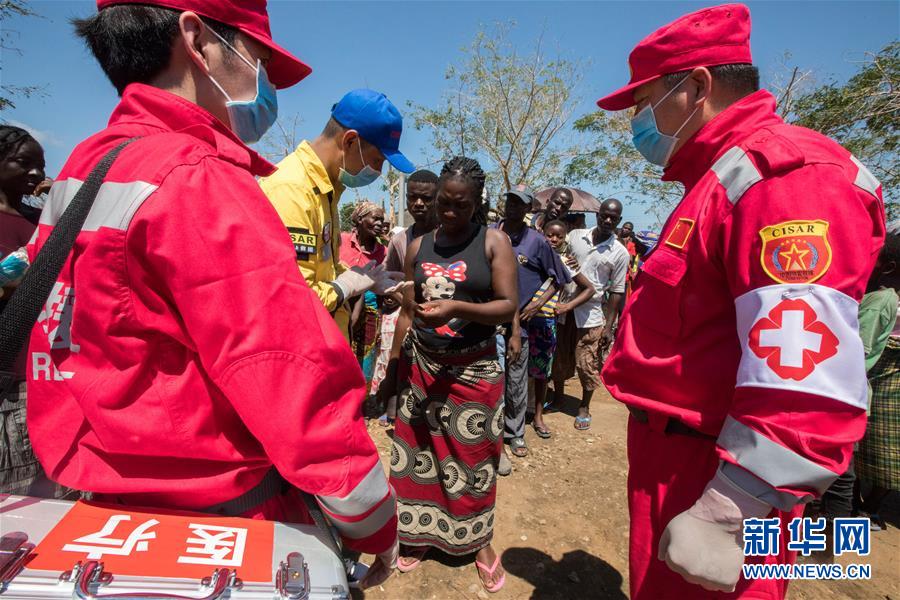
(461, 284)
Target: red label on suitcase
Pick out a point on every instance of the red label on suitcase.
(157, 544)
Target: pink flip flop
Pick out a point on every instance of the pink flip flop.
(417, 555)
(490, 572)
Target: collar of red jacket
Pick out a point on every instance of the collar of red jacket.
(728, 128)
(158, 109)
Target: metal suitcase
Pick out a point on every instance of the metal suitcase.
(54, 549)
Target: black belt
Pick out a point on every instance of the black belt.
(673, 425)
(273, 484)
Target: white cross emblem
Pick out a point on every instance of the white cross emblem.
(792, 339)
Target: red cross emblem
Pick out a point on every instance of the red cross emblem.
(792, 340)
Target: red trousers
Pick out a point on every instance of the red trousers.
(666, 475)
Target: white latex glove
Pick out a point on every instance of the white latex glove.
(383, 566)
(704, 543)
(358, 280)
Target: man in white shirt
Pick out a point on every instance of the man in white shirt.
(599, 255)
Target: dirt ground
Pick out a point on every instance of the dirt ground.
(562, 526)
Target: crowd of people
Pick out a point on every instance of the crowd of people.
(247, 330)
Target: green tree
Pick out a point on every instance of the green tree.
(610, 161)
(862, 114)
(505, 109)
(8, 37)
(345, 210)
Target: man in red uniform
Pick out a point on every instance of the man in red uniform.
(181, 361)
(738, 354)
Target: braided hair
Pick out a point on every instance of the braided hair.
(11, 139)
(468, 169)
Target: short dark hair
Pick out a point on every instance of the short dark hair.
(333, 128)
(628, 223)
(133, 43)
(891, 249)
(557, 223)
(739, 78)
(423, 176)
(12, 138)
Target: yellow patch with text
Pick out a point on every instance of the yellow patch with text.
(795, 251)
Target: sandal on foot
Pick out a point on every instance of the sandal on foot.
(542, 431)
(490, 573)
(385, 421)
(583, 423)
(518, 447)
(405, 564)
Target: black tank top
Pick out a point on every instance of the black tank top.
(461, 272)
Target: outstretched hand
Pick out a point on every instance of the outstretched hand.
(435, 313)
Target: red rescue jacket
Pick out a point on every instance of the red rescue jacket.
(743, 321)
(181, 355)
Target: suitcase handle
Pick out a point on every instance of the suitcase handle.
(84, 575)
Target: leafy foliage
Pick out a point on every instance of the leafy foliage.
(505, 109)
(8, 93)
(864, 116)
(610, 161)
(345, 210)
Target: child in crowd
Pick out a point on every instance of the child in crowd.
(544, 345)
(389, 313)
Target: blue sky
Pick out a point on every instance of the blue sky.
(403, 49)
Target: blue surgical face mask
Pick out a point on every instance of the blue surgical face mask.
(251, 119)
(654, 145)
(366, 175)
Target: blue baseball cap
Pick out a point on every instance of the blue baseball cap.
(377, 121)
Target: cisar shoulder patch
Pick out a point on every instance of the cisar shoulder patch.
(795, 251)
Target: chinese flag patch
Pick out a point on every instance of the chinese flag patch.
(681, 233)
(795, 251)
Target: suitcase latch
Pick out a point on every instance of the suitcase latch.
(84, 575)
(292, 579)
(14, 551)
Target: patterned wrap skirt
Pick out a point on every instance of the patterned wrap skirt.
(447, 444)
(366, 335)
(878, 453)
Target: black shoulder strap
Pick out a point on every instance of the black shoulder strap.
(25, 304)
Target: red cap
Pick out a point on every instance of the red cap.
(251, 17)
(711, 36)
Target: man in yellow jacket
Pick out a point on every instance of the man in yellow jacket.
(363, 131)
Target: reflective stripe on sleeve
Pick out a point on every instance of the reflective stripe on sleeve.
(368, 492)
(770, 461)
(114, 207)
(758, 488)
(864, 178)
(736, 173)
(371, 524)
